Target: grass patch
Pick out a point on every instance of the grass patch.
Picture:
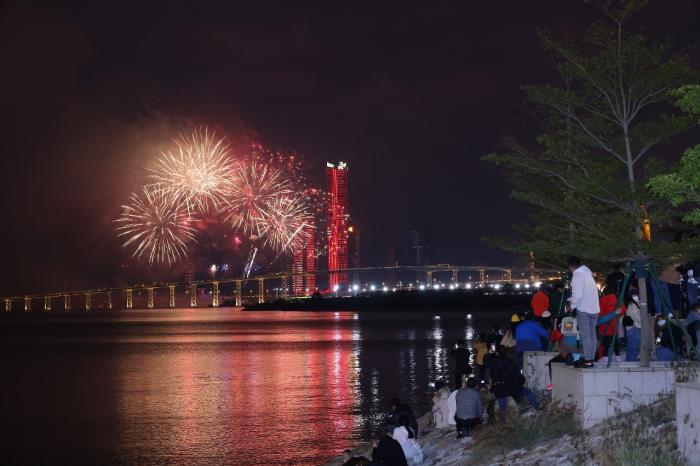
(643, 437)
(497, 439)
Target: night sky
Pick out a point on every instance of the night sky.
(411, 97)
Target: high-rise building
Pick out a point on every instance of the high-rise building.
(304, 263)
(337, 180)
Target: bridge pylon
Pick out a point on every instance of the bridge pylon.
(171, 296)
(215, 294)
(261, 290)
(237, 292)
(193, 295)
(66, 302)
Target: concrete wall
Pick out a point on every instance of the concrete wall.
(688, 421)
(536, 370)
(600, 392)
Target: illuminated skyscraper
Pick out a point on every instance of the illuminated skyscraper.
(337, 180)
(304, 263)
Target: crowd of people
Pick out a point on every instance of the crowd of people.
(579, 322)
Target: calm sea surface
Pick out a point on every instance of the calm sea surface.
(213, 386)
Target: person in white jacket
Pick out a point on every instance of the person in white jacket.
(586, 301)
(407, 439)
(441, 409)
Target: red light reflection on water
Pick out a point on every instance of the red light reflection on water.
(246, 396)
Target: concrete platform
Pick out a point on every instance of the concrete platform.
(688, 421)
(600, 392)
(536, 370)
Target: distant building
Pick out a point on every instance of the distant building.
(304, 263)
(354, 260)
(421, 245)
(337, 182)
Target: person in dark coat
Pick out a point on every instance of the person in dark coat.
(460, 354)
(615, 279)
(389, 452)
(399, 409)
(507, 380)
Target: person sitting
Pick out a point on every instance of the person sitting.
(440, 406)
(399, 409)
(633, 336)
(469, 408)
(670, 338)
(528, 337)
(389, 452)
(692, 323)
(406, 436)
(507, 380)
(566, 355)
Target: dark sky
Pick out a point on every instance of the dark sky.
(410, 96)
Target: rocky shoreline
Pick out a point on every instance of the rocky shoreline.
(635, 436)
(440, 446)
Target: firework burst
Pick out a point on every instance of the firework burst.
(255, 188)
(284, 224)
(197, 171)
(157, 224)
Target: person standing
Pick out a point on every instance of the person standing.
(481, 350)
(539, 303)
(460, 354)
(615, 279)
(584, 300)
(495, 337)
(608, 321)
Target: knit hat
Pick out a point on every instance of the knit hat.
(514, 318)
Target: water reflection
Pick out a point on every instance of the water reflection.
(224, 387)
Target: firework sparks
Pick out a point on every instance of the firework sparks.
(283, 226)
(157, 224)
(256, 187)
(197, 172)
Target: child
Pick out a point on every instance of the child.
(469, 408)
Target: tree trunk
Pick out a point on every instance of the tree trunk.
(645, 322)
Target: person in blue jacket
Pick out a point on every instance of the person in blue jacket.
(529, 336)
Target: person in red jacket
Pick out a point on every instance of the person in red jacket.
(607, 321)
(539, 303)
